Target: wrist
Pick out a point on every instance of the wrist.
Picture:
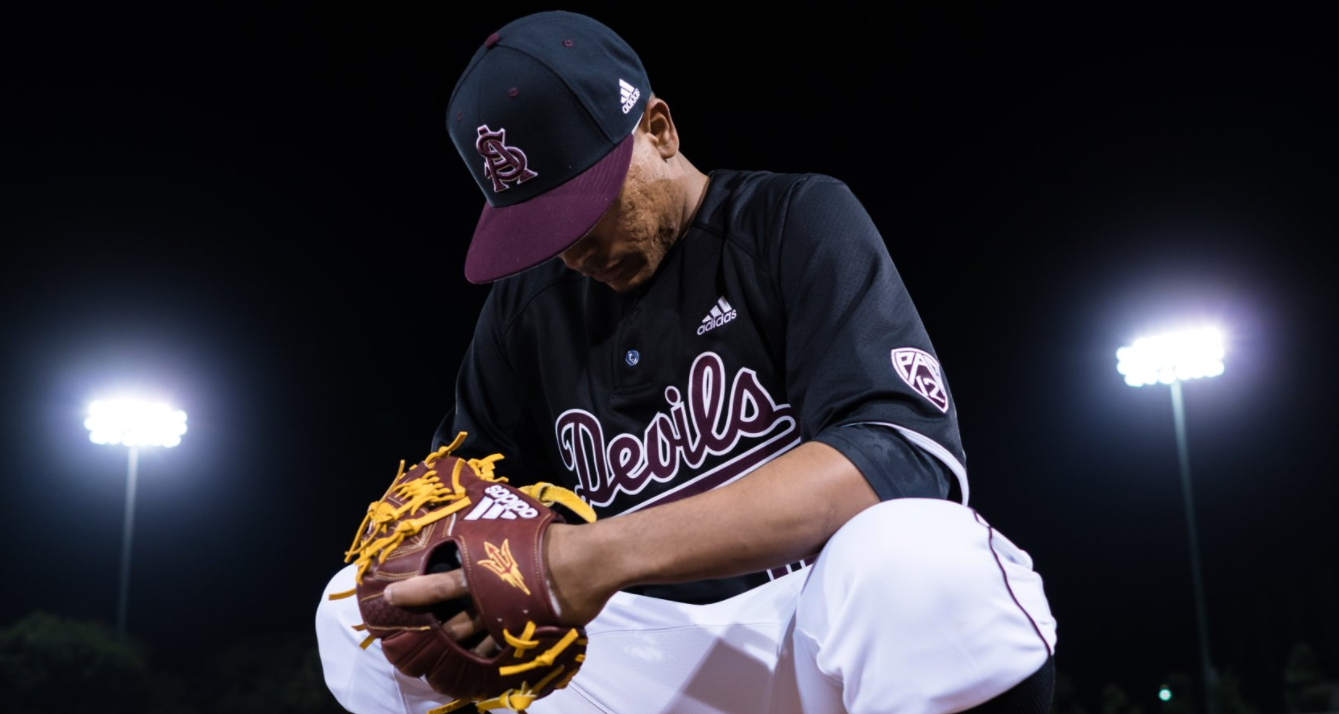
(583, 575)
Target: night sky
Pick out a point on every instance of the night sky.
(254, 211)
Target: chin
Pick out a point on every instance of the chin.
(631, 282)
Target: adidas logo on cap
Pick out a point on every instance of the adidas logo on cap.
(628, 95)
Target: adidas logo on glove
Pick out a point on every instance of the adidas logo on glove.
(501, 503)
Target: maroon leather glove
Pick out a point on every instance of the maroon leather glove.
(447, 513)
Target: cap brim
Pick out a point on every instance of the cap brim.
(515, 238)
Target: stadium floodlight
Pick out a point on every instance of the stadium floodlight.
(1171, 359)
(1177, 356)
(134, 424)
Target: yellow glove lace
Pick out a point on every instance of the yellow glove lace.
(375, 539)
(517, 700)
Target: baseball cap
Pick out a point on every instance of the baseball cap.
(543, 116)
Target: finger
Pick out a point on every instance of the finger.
(487, 648)
(464, 625)
(427, 589)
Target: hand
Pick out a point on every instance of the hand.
(574, 580)
(428, 590)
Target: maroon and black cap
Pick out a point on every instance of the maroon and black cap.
(543, 117)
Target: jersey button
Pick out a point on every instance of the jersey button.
(632, 358)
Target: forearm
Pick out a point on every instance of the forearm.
(782, 512)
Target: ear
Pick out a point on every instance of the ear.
(659, 125)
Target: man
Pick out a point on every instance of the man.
(730, 364)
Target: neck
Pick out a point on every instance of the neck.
(693, 185)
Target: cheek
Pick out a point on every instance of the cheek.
(639, 219)
(640, 235)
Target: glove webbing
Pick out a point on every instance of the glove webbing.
(427, 490)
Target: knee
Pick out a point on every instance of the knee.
(922, 586)
(911, 553)
(334, 616)
(912, 557)
(338, 643)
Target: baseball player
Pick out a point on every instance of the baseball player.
(728, 368)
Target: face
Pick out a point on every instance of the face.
(624, 249)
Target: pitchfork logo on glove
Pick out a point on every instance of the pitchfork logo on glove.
(503, 164)
(500, 561)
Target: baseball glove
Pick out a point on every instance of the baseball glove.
(447, 513)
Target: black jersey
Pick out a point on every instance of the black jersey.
(777, 318)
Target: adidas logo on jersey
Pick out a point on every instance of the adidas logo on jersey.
(501, 503)
(628, 95)
(720, 314)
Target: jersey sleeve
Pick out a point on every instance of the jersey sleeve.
(860, 368)
(490, 403)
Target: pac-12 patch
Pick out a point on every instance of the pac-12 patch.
(920, 371)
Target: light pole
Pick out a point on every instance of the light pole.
(1171, 359)
(134, 424)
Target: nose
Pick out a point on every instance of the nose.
(569, 257)
(575, 255)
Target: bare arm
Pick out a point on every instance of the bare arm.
(782, 512)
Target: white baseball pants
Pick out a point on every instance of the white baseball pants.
(915, 606)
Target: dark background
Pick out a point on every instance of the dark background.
(253, 211)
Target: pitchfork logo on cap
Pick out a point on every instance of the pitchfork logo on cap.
(503, 165)
(921, 372)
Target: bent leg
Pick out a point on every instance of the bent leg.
(918, 606)
(1030, 696)
(362, 680)
(646, 656)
